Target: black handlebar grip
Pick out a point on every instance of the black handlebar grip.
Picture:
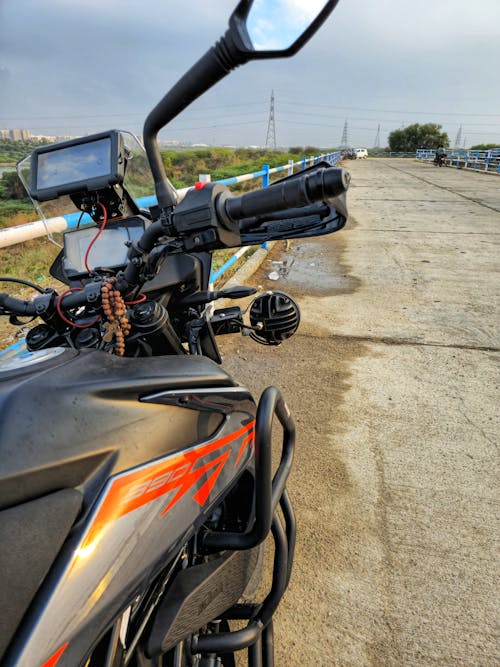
(318, 185)
(17, 306)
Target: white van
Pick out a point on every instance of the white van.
(360, 153)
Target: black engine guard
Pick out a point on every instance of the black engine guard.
(211, 590)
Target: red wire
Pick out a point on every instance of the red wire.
(101, 229)
(64, 318)
(141, 299)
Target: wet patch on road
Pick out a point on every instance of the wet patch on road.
(313, 267)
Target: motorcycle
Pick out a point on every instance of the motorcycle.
(136, 484)
(439, 159)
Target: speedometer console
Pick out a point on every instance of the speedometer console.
(80, 165)
(108, 252)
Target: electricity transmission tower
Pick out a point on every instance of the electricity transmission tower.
(271, 126)
(344, 142)
(377, 138)
(458, 139)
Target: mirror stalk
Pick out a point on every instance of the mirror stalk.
(217, 62)
(232, 50)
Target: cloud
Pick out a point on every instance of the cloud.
(5, 75)
(86, 65)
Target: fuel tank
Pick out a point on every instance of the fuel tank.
(68, 417)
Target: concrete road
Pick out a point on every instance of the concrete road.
(393, 380)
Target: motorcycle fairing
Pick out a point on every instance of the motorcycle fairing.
(31, 536)
(54, 659)
(142, 517)
(78, 416)
(170, 478)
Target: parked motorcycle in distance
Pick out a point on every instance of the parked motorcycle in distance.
(136, 486)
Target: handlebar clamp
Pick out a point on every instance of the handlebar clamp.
(201, 221)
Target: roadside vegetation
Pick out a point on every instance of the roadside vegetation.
(13, 151)
(184, 168)
(484, 147)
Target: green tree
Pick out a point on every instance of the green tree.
(11, 187)
(484, 147)
(416, 136)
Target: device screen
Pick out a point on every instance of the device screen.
(73, 164)
(108, 251)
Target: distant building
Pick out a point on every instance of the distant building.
(16, 135)
(43, 137)
(170, 142)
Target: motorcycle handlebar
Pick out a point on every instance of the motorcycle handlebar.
(17, 306)
(40, 304)
(319, 185)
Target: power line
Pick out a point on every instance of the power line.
(318, 115)
(122, 114)
(285, 121)
(260, 103)
(169, 129)
(68, 128)
(395, 111)
(216, 124)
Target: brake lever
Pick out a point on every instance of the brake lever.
(320, 209)
(202, 298)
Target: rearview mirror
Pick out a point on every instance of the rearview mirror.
(276, 28)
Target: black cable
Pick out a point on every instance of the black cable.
(22, 282)
(80, 219)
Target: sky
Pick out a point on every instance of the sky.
(73, 67)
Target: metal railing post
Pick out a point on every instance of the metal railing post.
(265, 176)
(265, 183)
